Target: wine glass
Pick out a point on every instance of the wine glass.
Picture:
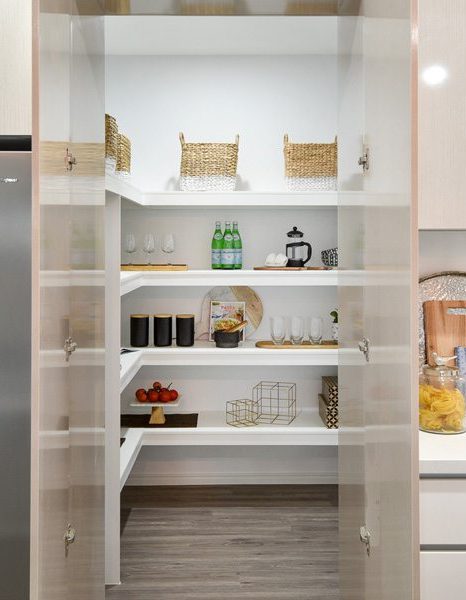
(315, 330)
(278, 329)
(168, 243)
(297, 330)
(130, 246)
(149, 245)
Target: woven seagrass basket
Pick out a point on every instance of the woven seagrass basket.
(310, 166)
(207, 7)
(123, 164)
(208, 167)
(111, 143)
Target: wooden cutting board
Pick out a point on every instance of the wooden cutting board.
(287, 345)
(445, 327)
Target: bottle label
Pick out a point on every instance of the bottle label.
(228, 257)
(238, 256)
(216, 256)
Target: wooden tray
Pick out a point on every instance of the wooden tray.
(154, 267)
(293, 268)
(325, 345)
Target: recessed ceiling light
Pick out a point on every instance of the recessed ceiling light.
(434, 75)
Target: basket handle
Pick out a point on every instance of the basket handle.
(237, 139)
(285, 139)
(182, 139)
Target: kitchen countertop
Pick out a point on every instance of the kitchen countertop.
(442, 454)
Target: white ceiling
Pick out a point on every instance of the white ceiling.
(168, 35)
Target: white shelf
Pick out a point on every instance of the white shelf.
(206, 354)
(306, 430)
(132, 280)
(244, 199)
(129, 452)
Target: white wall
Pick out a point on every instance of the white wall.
(262, 231)
(211, 99)
(441, 251)
(287, 301)
(235, 465)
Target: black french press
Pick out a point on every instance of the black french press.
(295, 249)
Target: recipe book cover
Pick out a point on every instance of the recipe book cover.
(224, 315)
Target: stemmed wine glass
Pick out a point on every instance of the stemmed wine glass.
(130, 246)
(168, 243)
(149, 245)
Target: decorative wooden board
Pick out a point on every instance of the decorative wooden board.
(325, 345)
(293, 268)
(445, 327)
(154, 267)
(254, 309)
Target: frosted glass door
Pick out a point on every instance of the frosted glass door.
(377, 451)
(87, 294)
(71, 491)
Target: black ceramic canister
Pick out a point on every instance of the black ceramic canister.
(139, 336)
(185, 330)
(162, 330)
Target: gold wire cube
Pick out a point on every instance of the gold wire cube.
(276, 402)
(241, 413)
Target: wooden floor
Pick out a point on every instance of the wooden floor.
(229, 543)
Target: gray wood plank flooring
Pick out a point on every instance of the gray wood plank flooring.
(229, 543)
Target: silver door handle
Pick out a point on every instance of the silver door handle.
(69, 347)
(364, 347)
(365, 537)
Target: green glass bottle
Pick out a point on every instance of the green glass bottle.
(217, 246)
(228, 252)
(238, 246)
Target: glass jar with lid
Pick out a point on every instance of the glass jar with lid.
(442, 405)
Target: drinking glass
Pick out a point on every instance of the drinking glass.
(130, 246)
(315, 330)
(149, 245)
(297, 330)
(278, 329)
(168, 243)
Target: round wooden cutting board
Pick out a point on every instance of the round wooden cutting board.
(254, 309)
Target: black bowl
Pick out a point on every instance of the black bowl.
(225, 339)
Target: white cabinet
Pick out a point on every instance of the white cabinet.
(442, 511)
(442, 114)
(443, 575)
(15, 73)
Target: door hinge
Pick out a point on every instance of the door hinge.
(365, 537)
(364, 346)
(69, 348)
(70, 160)
(364, 161)
(69, 537)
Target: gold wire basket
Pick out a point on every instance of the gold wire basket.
(123, 163)
(310, 166)
(208, 166)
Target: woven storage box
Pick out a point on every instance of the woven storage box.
(208, 167)
(111, 143)
(123, 164)
(328, 413)
(310, 166)
(330, 390)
